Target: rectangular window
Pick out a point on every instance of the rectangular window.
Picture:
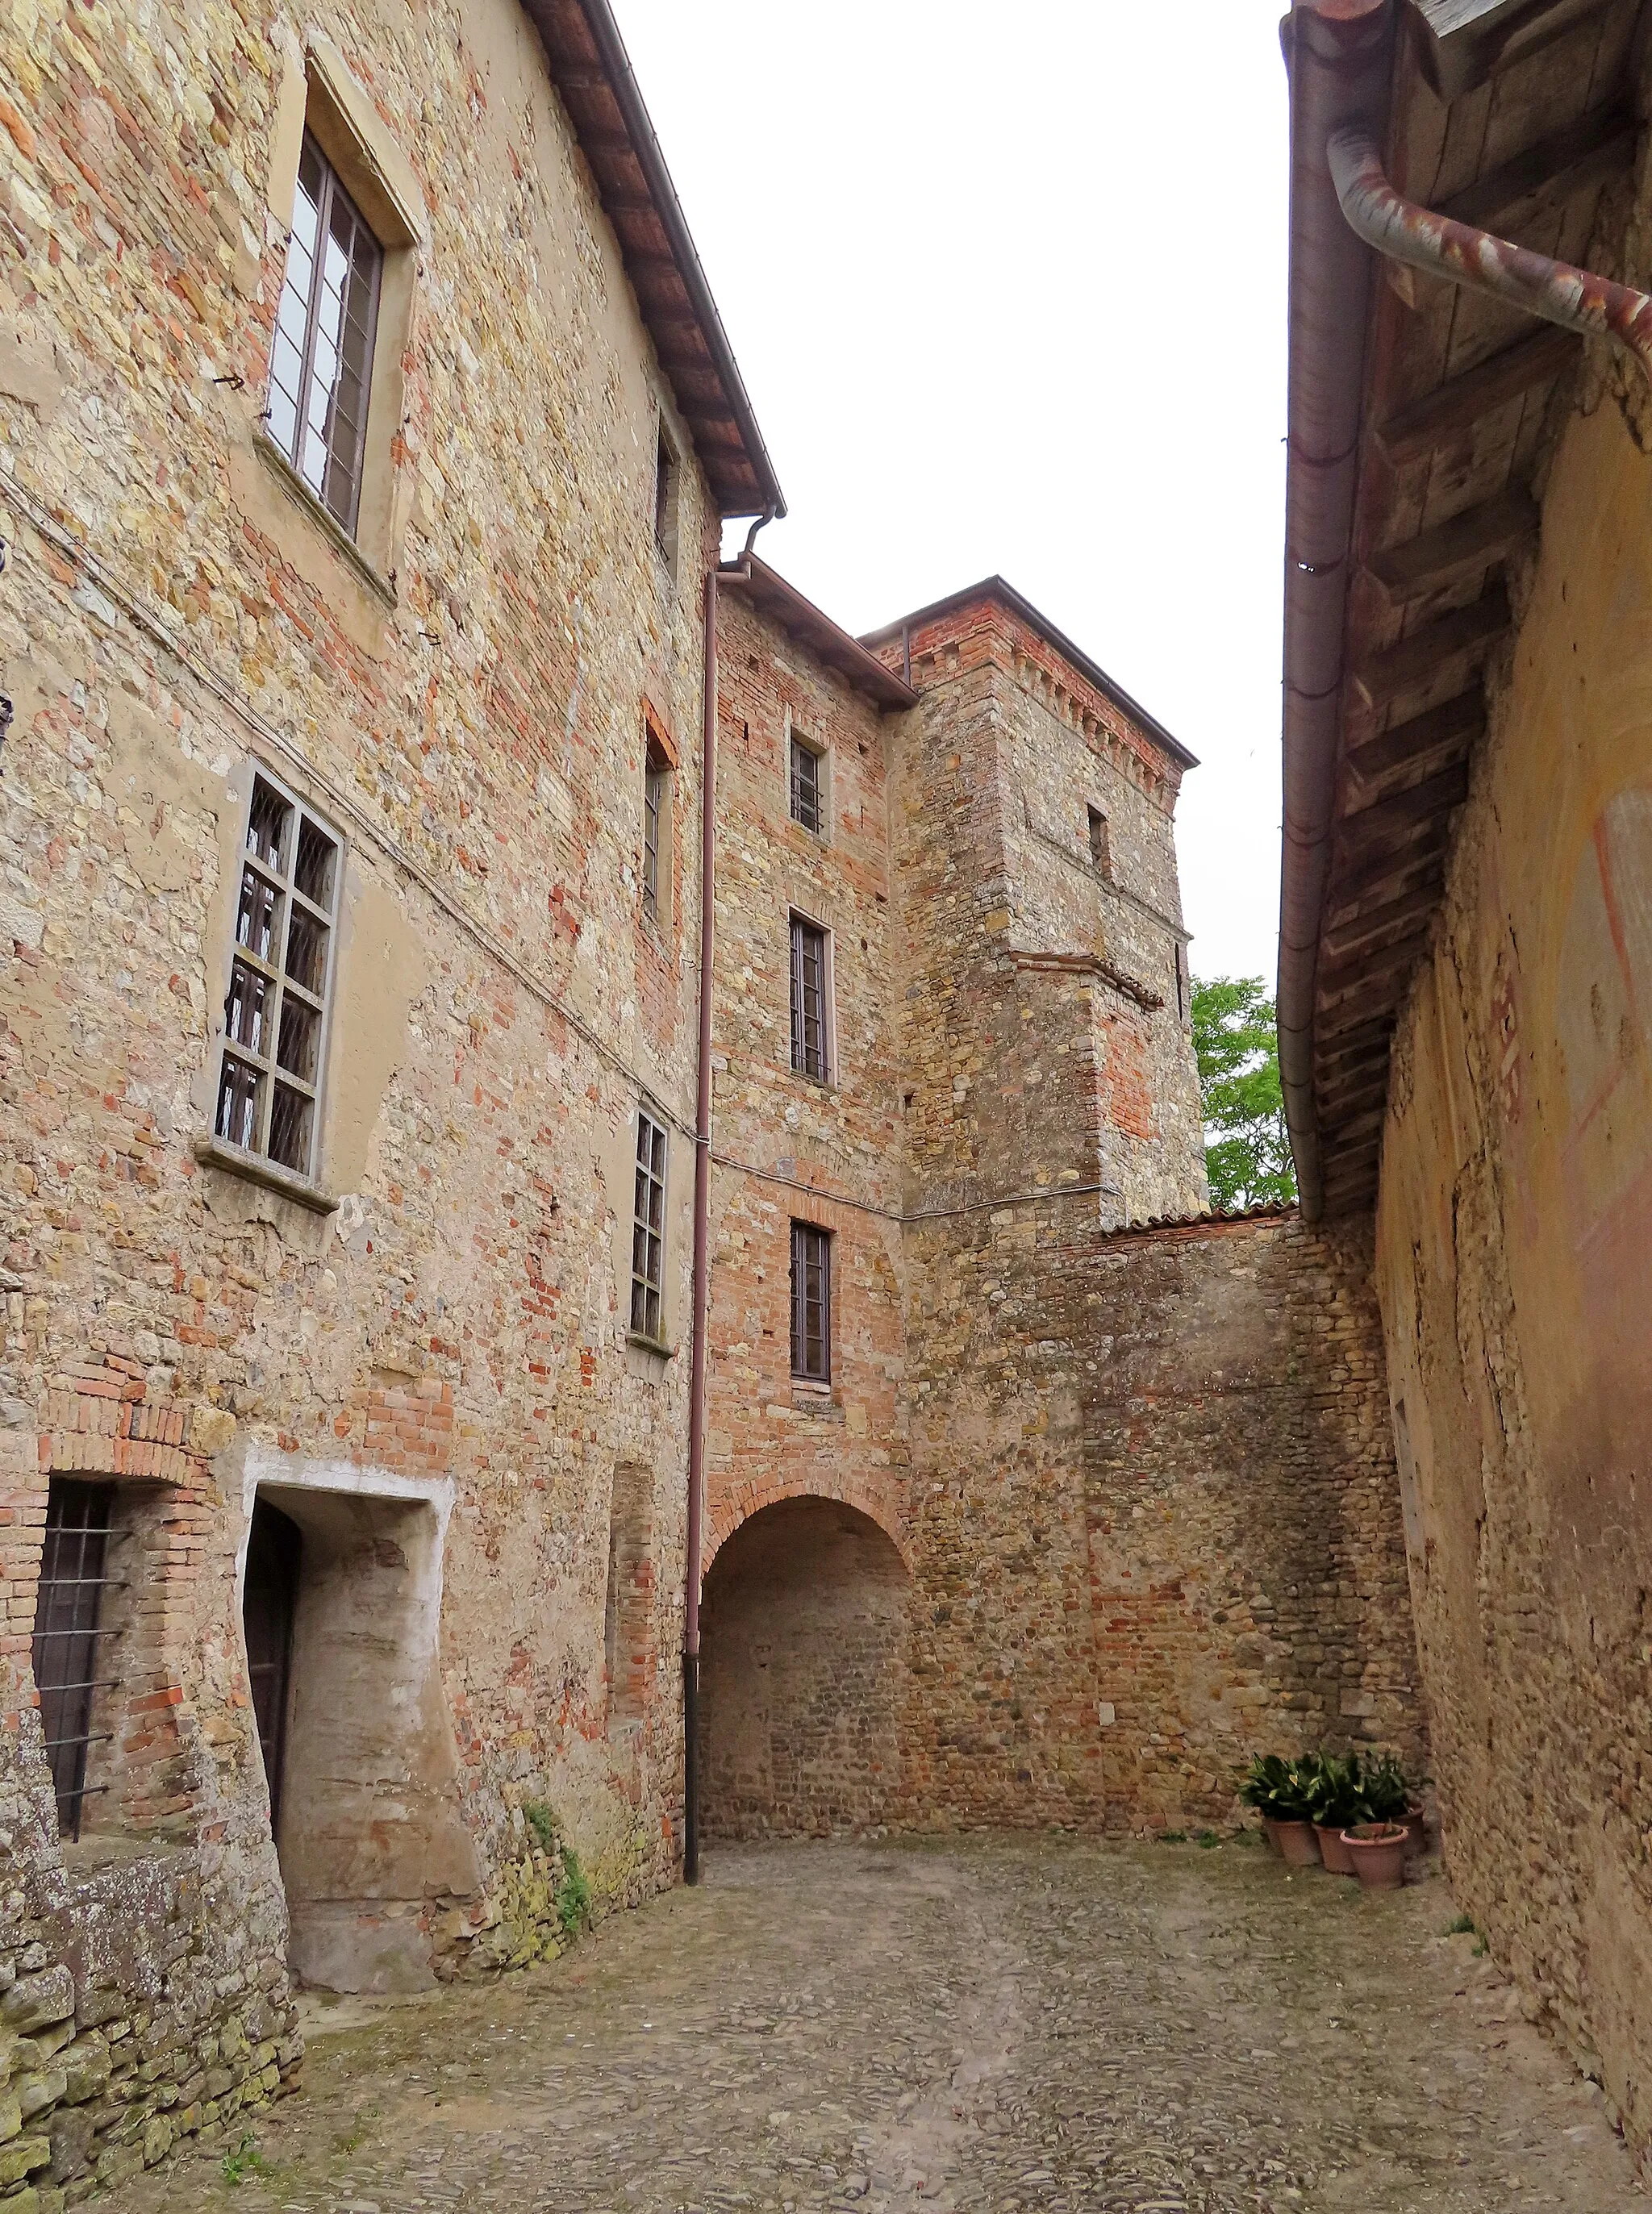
(809, 1028)
(665, 487)
(1101, 851)
(68, 1617)
(811, 1303)
(321, 360)
(648, 1229)
(280, 977)
(808, 795)
(656, 830)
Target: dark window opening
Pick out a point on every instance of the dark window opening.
(655, 820)
(269, 1603)
(1101, 850)
(809, 1040)
(665, 485)
(648, 1229)
(321, 360)
(69, 1641)
(1184, 982)
(274, 1012)
(807, 788)
(811, 1303)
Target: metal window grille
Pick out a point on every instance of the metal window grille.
(1101, 852)
(280, 981)
(806, 794)
(648, 1229)
(808, 999)
(69, 1635)
(321, 360)
(811, 1303)
(653, 816)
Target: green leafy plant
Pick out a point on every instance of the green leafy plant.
(1461, 1925)
(1206, 1838)
(1278, 1789)
(246, 2160)
(573, 1893)
(1247, 1152)
(1388, 1793)
(1335, 1795)
(541, 1821)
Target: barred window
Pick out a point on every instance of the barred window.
(69, 1635)
(321, 360)
(811, 1303)
(808, 1003)
(648, 1229)
(655, 832)
(808, 787)
(280, 980)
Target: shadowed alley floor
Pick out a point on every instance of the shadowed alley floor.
(994, 2023)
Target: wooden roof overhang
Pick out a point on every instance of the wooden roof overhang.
(1418, 412)
(593, 75)
(769, 594)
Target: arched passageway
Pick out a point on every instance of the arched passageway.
(802, 1628)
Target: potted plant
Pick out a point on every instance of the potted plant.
(1389, 1798)
(1336, 1801)
(1277, 1789)
(1377, 1851)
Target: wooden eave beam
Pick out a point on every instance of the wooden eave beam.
(1387, 877)
(1546, 177)
(1452, 552)
(1404, 816)
(1459, 641)
(1384, 924)
(1391, 759)
(1466, 41)
(1440, 416)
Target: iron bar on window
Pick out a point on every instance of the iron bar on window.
(808, 999)
(68, 1632)
(648, 1229)
(811, 1303)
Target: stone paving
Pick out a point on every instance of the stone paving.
(992, 2023)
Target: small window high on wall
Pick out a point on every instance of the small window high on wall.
(321, 361)
(811, 1303)
(1101, 849)
(648, 1231)
(810, 999)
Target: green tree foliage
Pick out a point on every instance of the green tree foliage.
(1247, 1153)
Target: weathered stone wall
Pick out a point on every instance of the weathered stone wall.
(1513, 1231)
(1154, 1523)
(461, 700)
(786, 1146)
(1143, 1482)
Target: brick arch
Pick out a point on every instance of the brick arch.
(874, 1500)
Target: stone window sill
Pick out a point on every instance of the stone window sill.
(294, 486)
(215, 1153)
(827, 1084)
(815, 1400)
(657, 1346)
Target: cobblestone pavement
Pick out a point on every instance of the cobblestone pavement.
(1000, 2023)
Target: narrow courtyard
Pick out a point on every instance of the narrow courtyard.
(995, 2023)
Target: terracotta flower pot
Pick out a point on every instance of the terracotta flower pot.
(1377, 1851)
(1293, 1842)
(1333, 1850)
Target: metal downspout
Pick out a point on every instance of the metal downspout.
(1574, 299)
(738, 572)
(1339, 52)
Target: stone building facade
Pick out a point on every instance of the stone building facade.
(1079, 1513)
(366, 436)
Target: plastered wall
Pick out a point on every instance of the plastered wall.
(1513, 1236)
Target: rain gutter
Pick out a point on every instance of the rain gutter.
(1339, 54)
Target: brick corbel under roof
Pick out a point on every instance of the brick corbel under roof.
(593, 75)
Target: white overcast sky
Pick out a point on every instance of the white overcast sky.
(1007, 290)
